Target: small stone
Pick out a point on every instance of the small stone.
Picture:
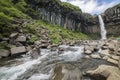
(37, 42)
(13, 35)
(21, 39)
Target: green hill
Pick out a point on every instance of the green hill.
(14, 12)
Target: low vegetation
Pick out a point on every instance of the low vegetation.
(12, 11)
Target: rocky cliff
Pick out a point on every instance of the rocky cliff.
(112, 20)
(64, 14)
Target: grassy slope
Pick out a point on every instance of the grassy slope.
(9, 13)
(58, 33)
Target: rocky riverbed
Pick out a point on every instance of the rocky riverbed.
(73, 60)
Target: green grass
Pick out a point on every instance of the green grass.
(11, 12)
(58, 33)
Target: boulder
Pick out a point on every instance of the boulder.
(91, 48)
(4, 53)
(37, 42)
(18, 44)
(111, 47)
(88, 52)
(95, 56)
(105, 52)
(112, 61)
(34, 53)
(119, 63)
(5, 39)
(104, 47)
(45, 45)
(66, 72)
(13, 35)
(21, 38)
(18, 50)
(109, 72)
(115, 57)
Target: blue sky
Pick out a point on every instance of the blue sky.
(93, 6)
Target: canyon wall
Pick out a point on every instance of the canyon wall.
(112, 20)
(65, 15)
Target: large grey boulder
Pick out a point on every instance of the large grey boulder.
(21, 38)
(109, 72)
(4, 53)
(18, 50)
(66, 72)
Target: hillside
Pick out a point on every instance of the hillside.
(16, 17)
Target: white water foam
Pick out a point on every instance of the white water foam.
(72, 55)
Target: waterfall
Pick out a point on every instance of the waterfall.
(102, 28)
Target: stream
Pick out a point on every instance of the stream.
(44, 68)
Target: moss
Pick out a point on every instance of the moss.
(70, 6)
(33, 38)
(3, 45)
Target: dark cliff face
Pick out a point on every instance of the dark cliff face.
(64, 14)
(112, 20)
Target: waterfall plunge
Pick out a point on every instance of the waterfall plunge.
(102, 28)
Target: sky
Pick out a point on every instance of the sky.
(93, 6)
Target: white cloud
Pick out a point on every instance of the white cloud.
(92, 6)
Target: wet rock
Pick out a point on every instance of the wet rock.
(104, 47)
(105, 57)
(21, 39)
(95, 56)
(37, 42)
(18, 44)
(88, 52)
(34, 53)
(66, 72)
(111, 47)
(13, 35)
(119, 63)
(4, 53)
(105, 52)
(18, 50)
(5, 39)
(28, 48)
(115, 57)
(87, 56)
(61, 49)
(91, 48)
(112, 61)
(108, 72)
(44, 45)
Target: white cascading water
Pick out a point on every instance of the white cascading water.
(13, 71)
(102, 28)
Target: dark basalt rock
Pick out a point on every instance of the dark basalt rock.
(112, 20)
(55, 12)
